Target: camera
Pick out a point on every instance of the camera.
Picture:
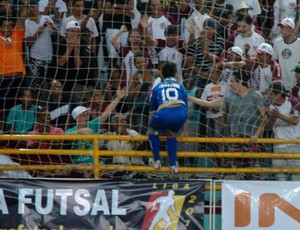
(46, 24)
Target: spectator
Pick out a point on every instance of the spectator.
(206, 51)
(284, 120)
(234, 60)
(5, 8)
(69, 59)
(245, 115)
(295, 92)
(199, 13)
(12, 64)
(21, 117)
(281, 10)
(39, 29)
(116, 14)
(55, 9)
(214, 127)
(168, 113)
(222, 12)
(88, 73)
(239, 8)
(192, 123)
(158, 21)
(172, 48)
(99, 102)
(43, 126)
(247, 39)
(286, 51)
(119, 127)
(84, 126)
(84, 21)
(266, 70)
(59, 105)
(265, 20)
(139, 92)
(253, 6)
(135, 44)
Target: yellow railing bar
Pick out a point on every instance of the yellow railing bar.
(149, 168)
(144, 138)
(96, 167)
(111, 153)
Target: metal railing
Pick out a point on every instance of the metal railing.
(97, 167)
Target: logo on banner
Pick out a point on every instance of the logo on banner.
(267, 204)
(163, 211)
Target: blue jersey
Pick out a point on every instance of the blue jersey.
(167, 90)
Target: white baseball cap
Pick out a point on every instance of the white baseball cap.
(237, 50)
(78, 110)
(287, 22)
(264, 48)
(73, 24)
(238, 5)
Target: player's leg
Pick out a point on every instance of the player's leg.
(176, 127)
(172, 146)
(154, 141)
(155, 146)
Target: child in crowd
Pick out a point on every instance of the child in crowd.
(21, 118)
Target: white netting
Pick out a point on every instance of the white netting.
(63, 54)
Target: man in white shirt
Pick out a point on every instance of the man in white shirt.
(286, 51)
(84, 21)
(266, 69)
(38, 31)
(283, 9)
(158, 24)
(56, 9)
(284, 121)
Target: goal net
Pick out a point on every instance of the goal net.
(64, 64)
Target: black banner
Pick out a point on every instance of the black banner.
(100, 204)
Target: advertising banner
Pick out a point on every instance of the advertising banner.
(101, 204)
(255, 205)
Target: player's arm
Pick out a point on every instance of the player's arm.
(217, 103)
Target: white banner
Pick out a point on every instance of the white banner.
(254, 205)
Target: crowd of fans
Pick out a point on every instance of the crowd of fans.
(83, 67)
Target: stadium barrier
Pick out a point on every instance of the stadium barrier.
(98, 167)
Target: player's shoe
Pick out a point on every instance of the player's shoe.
(174, 169)
(157, 164)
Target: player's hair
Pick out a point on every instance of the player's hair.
(169, 69)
